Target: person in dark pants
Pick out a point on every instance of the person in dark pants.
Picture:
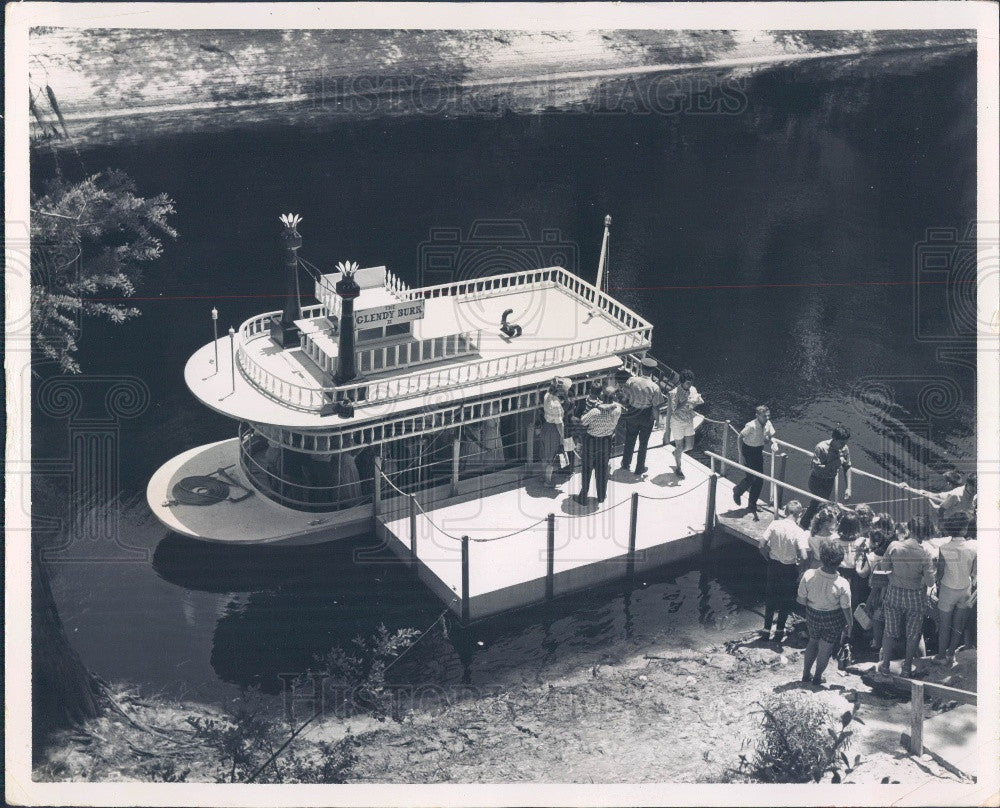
(785, 549)
(642, 398)
(754, 436)
(829, 458)
(600, 423)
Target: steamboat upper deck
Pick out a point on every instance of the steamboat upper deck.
(454, 351)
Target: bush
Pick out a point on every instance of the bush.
(800, 740)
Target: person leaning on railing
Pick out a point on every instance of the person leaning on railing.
(830, 457)
(960, 499)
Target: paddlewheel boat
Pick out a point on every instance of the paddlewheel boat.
(381, 386)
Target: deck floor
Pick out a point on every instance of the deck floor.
(591, 541)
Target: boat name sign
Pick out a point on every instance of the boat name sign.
(391, 314)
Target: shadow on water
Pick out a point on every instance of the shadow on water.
(285, 606)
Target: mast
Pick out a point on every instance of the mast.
(603, 259)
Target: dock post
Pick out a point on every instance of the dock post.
(465, 579)
(377, 486)
(632, 526)
(916, 718)
(774, 488)
(529, 446)
(550, 552)
(456, 450)
(780, 476)
(725, 443)
(713, 483)
(413, 529)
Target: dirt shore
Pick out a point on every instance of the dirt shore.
(670, 716)
(94, 86)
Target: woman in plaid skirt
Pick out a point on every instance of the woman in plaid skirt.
(827, 598)
(911, 577)
(870, 551)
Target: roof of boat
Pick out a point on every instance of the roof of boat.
(562, 334)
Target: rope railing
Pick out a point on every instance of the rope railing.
(781, 483)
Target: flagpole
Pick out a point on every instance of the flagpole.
(602, 261)
(215, 335)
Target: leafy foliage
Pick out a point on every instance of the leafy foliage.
(800, 741)
(247, 739)
(89, 239)
(363, 672)
(250, 745)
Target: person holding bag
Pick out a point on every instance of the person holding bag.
(553, 432)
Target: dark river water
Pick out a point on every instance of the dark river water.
(777, 251)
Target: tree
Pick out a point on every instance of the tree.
(89, 239)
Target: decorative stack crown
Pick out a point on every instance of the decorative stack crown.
(291, 235)
(347, 287)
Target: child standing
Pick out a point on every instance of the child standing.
(827, 598)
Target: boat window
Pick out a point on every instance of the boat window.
(397, 329)
(370, 333)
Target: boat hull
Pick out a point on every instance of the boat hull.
(252, 520)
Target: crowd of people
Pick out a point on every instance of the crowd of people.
(897, 583)
(630, 406)
(850, 569)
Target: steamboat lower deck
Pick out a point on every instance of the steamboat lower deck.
(509, 535)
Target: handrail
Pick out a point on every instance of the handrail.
(453, 376)
(850, 471)
(788, 445)
(776, 481)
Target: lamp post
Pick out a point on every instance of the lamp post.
(284, 332)
(215, 335)
(232, 355)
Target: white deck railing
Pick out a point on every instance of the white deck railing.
(636, 337)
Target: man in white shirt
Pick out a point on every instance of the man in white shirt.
(785, 547)
(754, 436)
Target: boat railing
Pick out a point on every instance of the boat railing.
(293, 493)
(718, 464)
(510, 365)
(452, 377)
(584, 291)
(730, 438)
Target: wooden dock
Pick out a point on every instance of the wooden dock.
(527, 542)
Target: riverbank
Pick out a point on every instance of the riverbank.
(671, 715)
(100, 86)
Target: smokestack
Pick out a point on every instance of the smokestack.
(284, 331)
(347, 289)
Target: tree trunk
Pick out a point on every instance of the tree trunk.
(63, 692)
